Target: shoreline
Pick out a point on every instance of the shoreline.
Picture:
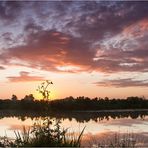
(72, 111)
(113, 110)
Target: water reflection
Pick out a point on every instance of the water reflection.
(99, 125)
(114, 138)
(78, 116)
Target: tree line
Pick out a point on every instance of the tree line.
(73, 104)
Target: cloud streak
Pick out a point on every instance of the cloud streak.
(25, 77)
(128, 82)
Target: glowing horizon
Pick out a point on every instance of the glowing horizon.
(93, 49)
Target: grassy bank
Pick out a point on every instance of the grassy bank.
(43, 134)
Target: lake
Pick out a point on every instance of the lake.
(101, 127)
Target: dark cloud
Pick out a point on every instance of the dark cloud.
(117, 61)
(2, 68)
(7, 36)
(126, 51)
(47, 49)
(98, 19)
(7, 39)
(84, 36)
(123, 83)
(25, 77)
(9, 11)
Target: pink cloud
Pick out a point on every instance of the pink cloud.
(2, 68)
(128, 82)
(24, 77)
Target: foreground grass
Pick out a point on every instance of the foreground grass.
(42, 134)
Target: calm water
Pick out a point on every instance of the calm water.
(98, 125)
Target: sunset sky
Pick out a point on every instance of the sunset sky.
(86, 48)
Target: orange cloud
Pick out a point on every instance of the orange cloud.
(46, 51)
(25, 77)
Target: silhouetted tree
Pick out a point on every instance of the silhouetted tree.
(43, 89)
(29, 97)
(14, 97)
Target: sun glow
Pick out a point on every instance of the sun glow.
(39, 96)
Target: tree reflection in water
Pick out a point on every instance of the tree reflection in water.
(82, 117)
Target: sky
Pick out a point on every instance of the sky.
(86, 48)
